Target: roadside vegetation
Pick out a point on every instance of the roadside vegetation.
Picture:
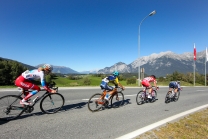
(193, 126)
(10, 70)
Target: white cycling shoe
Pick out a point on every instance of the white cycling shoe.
(25, 103)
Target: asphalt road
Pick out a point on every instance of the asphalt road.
(75, 121)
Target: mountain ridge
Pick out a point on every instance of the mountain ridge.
(159, 64)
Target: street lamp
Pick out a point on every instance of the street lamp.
(152, 13)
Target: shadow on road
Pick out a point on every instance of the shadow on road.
(126, 102)
(3, 122)
(74, 106)
(64, 108)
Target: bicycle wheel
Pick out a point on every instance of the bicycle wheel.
(168, 97)
(177, 96)
(140, 98)
(95, 103)
(154, 93)
(52, 103)
(117, 100)
(10, 107)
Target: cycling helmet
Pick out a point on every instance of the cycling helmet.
(48, 67)
(116, 73)
(153, 76)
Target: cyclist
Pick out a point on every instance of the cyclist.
(146, 83)
(25, 81)
(176, 86)
(111, 90)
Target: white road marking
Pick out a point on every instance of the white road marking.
(154, 125)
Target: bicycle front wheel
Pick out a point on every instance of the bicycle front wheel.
(95, 103)
(177, 96)
(154, 93)
(52, 103)
(10, 107)
(140, 98)
(168, 97)
(117, 100)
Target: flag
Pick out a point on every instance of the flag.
(206, 54)
(194, 52)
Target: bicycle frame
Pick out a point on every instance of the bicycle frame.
(23, 93)
(115, 93)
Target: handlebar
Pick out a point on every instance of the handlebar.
(54, 88)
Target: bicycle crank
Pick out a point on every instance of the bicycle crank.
(29, 109)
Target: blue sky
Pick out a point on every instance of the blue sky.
(94, 34)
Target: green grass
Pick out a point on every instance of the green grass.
(95, 81)
(193, 126)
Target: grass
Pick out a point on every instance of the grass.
(193, 126)
(95, 81)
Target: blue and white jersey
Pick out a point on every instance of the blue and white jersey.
(174, 84)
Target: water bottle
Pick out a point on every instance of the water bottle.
(107, 96)
(36, 99)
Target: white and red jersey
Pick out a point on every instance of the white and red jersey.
(149, 79)
(146, 81)
(36, 75)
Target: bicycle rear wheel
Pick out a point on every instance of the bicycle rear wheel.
(52, 103)
(140, 98)
(168, 97)
(117, 100)
(95, 103)
(10, 107)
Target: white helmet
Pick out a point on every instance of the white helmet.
(48, 67)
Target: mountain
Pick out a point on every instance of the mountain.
(162, 64)
(61, 69)
(56, 69)
(25, 65)
(89, 72)
(158, 64)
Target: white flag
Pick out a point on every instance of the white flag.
(206, 54)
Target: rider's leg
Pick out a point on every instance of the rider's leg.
(106, 88)
(35, 89)
(176, 91)
(110, 92)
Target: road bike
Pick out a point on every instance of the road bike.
(172, 96)
(142, 96)
(96, 102)
(10, 107)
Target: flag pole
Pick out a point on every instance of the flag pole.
(194, 72)
(205, 72)
(194, 62)
(206, 58)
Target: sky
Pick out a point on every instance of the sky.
(93, 34)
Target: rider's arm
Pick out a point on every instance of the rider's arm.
(179, 87)
(119, 84)
(43, 82)
(155, 83)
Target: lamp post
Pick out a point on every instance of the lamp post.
(152, 13)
